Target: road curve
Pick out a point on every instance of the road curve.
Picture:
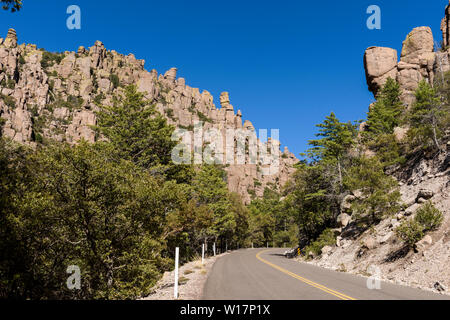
(260, 274)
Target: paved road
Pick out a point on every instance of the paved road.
(257, 274)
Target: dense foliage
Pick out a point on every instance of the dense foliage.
(116, 209)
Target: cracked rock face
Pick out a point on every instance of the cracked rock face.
(55, 96)
(417, 62)
(380, 64)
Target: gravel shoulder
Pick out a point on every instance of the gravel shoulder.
(192, 279)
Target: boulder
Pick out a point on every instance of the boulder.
(346, 205)
(425, 194)
(420, 40)
(343, 220)
(369, 243)
(421, 245)
(338, 241)
(387, 238)
(326, 250)
(409, 79)
(411, 210)
(400, 133)
(378, 61)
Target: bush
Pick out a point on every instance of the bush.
(22, 60)
(410, 232)
(114, 78)
(49, 59)
(9, 101)
(11, 84)
(327, 238)
(429, 217)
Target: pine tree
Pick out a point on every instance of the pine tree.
(385, 113)
(426, 116)
(139, 133)
(337, 139)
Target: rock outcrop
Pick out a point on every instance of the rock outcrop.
(417, 62)
(55, 96)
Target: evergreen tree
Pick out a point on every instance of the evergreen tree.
(139, 133)
(385, 114)
(426, 117)
(337, 139)
(380, 194)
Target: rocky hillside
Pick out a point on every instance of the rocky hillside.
(424, 177)
(47, 95)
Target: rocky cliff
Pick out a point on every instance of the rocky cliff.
(47, 95)
(420, 59)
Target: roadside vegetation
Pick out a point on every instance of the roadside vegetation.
(345, 161)
(116, 208)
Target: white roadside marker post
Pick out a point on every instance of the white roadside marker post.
(177, 258)
(203, 254)
(214, 249)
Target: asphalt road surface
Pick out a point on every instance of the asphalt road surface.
(259, 274)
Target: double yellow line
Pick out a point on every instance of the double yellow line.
(311, 283)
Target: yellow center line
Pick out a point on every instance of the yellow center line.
(311, 283)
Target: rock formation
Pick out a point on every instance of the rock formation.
(55, 95)
(418, 61)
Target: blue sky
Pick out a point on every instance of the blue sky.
(286, 64)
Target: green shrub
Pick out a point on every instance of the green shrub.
(11, 84)
(410, 232)
(114, 78)
(99, 98)
(327, 238)
(9, 101)
(169, 113)
(49, 59)
(429, 217)
(203, 118)
(22, 60)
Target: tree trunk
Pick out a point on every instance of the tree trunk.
(435, 136)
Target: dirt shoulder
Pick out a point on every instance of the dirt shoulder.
(192, 278)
